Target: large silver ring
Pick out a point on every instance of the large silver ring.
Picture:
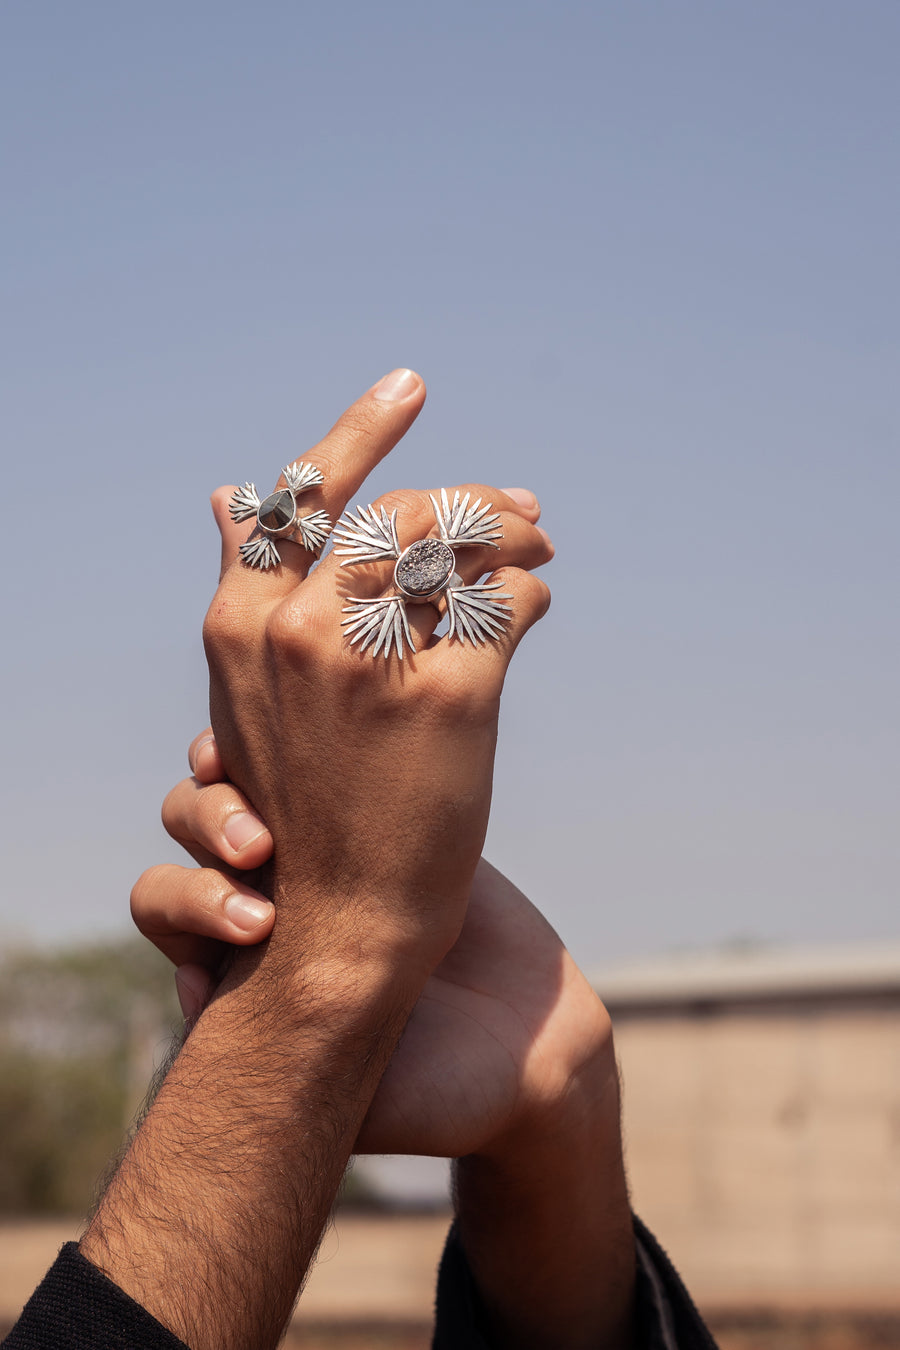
(277, 516)
(424, 573)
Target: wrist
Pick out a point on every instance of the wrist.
(243, 1149)
(289, 987)
(548, 1196)
(570, 1090)
(405, 926)
(562, 1135)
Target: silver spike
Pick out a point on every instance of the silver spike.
(261, 553)
(380, 621)
(476, 614)
(464, 524)
(300, 476)
(365, 537)
(244, 503)
(314, 530)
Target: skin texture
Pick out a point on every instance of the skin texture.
(506, 1063)
(375, 785)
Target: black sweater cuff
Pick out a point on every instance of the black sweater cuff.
(75, 1307)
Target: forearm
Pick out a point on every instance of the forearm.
(545, 1223)
(216, 1212)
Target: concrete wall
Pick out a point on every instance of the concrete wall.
(764, 1148)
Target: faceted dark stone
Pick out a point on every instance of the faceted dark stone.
(277, 511)
(425, 567)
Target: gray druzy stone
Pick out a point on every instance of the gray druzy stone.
(425, 567)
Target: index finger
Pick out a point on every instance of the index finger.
(359, 440)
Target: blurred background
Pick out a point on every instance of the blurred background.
(645, 258)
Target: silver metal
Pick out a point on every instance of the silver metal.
(476, 615)
(365, 537)
(464, 524)
(380, 621)
(277, 516)
(424, 573)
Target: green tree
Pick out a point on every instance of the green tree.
(79, 1032)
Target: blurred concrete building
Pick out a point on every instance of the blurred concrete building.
(762, 1112)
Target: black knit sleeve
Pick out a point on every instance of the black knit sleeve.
(75, 1307)
(665, 1316)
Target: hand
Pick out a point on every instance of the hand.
(500, 1030)
(374, 779)
(507, 1062)
(375, 783)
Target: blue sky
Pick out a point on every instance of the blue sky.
(645, 257)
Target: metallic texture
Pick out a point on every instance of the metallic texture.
(379, 621)
(423, 570)
(365, 537)
(464, 524)
(423, 573)
(476, 615)
(311, 531)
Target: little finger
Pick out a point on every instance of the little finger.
(524, 598)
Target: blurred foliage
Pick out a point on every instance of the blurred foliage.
(80, 1033)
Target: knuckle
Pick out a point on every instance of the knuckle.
(205, 891)
(415, 516)
(399, 499)
(226, 627)
(217, 802)
(142, 893)
(171, 809)
(302, 628)
(534, 596)
(453, 693)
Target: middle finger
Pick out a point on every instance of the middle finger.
(360, 438)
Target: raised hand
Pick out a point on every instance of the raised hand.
(373, 776)
(374, 779)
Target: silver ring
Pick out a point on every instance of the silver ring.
(424, 573)
(277, 516)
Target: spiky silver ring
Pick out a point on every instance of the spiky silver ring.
(277, 516)
(424, 573)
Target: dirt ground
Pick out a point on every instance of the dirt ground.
(373, 1289)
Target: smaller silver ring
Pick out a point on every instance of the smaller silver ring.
(278, 516)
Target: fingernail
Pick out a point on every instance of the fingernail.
(397, 386)
(194, 755)
(541, 530)
(245, 912)
(240, 829)
(523, 496)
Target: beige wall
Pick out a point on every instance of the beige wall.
(764, 1150)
